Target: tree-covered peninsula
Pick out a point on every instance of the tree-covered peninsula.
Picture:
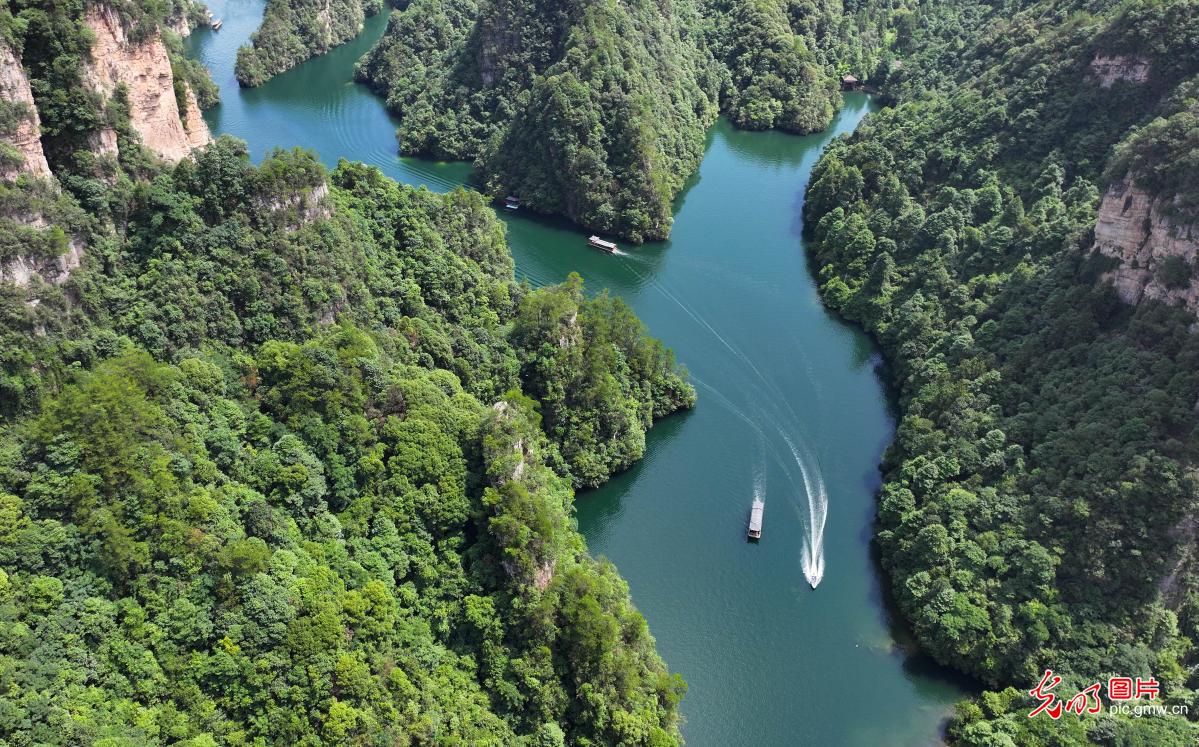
(294, 30)
(286, 455)
(1015, 231)
(593, 110)
(598, 111)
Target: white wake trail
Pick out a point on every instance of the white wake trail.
(812, 556)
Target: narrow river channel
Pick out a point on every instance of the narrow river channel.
(791, 406)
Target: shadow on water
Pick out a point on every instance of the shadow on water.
(599, 508)
(773, 149)
(917, 664)
(692, 180)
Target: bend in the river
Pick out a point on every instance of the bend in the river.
(790, 406)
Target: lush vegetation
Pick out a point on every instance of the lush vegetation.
(774, 79)
(294, 30)
(1163, 156)
(251, 474)
(598, 111)
(600, 380)
(290, 458)
(1037, 503)
(267, 473)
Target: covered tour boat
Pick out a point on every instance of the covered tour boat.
(595, 242)
(755, 520)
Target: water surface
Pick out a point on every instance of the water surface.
(769, 660)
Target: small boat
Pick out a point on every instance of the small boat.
(216, 25)
(511, 203)
(595, 242)
(755, 520)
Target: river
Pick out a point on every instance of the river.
(784, 389)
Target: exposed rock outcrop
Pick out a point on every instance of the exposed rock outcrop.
(518, 449)
(1133, 228)
(145, 71)
(180, 24)
(301, 207)
(21, 270)
(573, 334)
(103, 142)
(193, 122)
(25, 132)
(1108, 69)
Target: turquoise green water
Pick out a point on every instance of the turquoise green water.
(785, 389)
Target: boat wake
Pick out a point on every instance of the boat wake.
(812, 559)
(812, 555)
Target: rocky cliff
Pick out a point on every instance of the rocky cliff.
(1109, 69)
(144, 69)
(22, 269)
(39, 249)
(1156, 252)
(21, 129)
(303, 206)
(180, 23)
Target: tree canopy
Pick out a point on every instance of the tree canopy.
(292, 31)
(1037, 497)
(599, 111)
(267, 473)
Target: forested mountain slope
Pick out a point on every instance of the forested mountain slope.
(596, 110)
(592, 110)
(267, 474)
(1039, 502)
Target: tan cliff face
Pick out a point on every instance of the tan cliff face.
(193, 123)
(25, 135)
(145, 71)
(1133, 228)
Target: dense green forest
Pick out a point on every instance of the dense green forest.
(592, 110)
(599, 111)
(294, 30)
(596, 111)
(290, 457)
(1037, 504)
(250, 471)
